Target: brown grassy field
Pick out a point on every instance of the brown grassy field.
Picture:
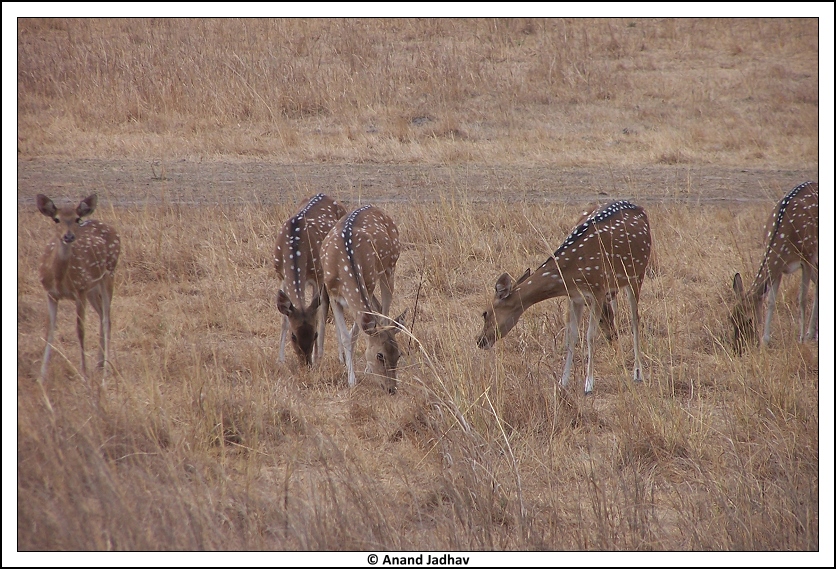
(482, 139)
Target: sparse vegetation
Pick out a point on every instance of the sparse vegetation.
(203, 441)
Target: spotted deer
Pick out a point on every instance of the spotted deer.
(792, 243)
(78, 264)
(359, 253)
(298, 265)
(608, 250)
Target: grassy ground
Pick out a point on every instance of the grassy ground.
(201, 440)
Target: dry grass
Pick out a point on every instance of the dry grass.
(547, 91)
(203, 441)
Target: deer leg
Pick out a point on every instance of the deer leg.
(344, 338)
(802, 298)
(355, 333)
(106, 297)
(813, 328)
(387, 287)
(575, 311)
(319, 352)
(591, 330)
(632, 297)
(608, 313)
(772, 295)
(50, 332)
(80, 307)
(285, 327)
(95, 298)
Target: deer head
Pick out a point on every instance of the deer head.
(504, 311)
(382, 350)
(303, 325)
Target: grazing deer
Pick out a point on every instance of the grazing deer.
(79, 264)
(608, 250)
(360, 250)
(297, 262)
(792, 243)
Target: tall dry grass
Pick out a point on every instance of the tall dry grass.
(556, 91)
(203, 441)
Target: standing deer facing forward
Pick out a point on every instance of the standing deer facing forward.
(360, 251)
(792, 243)
(297, 262)
(608, 250)
(78, 264)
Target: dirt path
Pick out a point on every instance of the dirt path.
(132, 182)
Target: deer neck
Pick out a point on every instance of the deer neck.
(762, 279)
(545, 283)
(56, 265)
(350, 244)
(298, 261)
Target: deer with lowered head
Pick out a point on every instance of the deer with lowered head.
(79, 264)
(358, 254)
(298, 264)
(792, 242)
(607, 251)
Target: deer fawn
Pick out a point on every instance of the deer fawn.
(79, 264)
(608, 250)
(360, 250)
(297, 262)
(792, 243)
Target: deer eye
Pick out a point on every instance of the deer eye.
(293, 338)
(380, 357)
(56, 220)
(485, 315)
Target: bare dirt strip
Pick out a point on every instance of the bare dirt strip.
(137, 182)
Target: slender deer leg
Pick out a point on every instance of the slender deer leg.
(575, 311)
(95, 298)
(80, 306)
(387, 287)
(802, 298)
(772, 295)
(50, 333)
(813, 328)
(106, 296)
(344, 337)
(632, 297)
(355, 334)
(320, 326)
(591, 330)
(285, 327)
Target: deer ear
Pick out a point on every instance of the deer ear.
(400, 322)
(284, 304)
(315, 302)
(503, 286)
(45, 206)
(737, 285)
(87, 206)
(368, 323)
(525, 275)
